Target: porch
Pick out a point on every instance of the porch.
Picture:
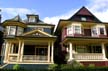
(87, 51)
(29, 51)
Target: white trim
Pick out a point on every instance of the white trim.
(38, 26)
(103, 51)
(49, 51)
(70, 52)
(97, 27)
(91, 60)
(52, 52)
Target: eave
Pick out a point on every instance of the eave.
(14, 23)
(84, 40)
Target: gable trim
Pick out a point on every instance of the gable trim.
(37, 31)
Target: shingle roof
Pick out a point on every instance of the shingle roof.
(17, 18)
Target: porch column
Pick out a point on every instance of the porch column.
(70, 51)
(19, 51)
(9, 49)
(6, 52)
(103, 51)
(12, 48)
(48, 51)
(52, 52)
(22, 51)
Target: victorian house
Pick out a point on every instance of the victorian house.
(28, 41)
(84, 37)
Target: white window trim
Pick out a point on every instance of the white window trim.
(9, 30)
(72, 28)
(98, 30)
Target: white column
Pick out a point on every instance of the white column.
(19, 51)
(22, 51)
(52, 52)
(48, 51)
(6, 52)
(12, 48)
(9, 49)
(103, 51)
(70, 51)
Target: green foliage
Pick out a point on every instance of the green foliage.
(91, 65)
(52, 66)
(16, 67)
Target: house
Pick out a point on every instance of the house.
(28, 41)
(84, 37)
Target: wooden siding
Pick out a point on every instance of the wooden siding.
(96, 63)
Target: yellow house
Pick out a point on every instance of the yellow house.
(28, 41)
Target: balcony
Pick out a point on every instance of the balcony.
(34, 58)
(88, 56)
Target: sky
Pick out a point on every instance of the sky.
(50, 11)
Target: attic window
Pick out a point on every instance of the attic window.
(83, 18)
(32, 19)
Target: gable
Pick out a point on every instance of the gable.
(84, 13)
(37, 33)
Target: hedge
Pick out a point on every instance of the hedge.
(59, 69)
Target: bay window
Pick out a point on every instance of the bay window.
(74, 29)
(11, 30)
(19, 30)
(98, 30)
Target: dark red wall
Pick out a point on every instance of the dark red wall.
(96, 63)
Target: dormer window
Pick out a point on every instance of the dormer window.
(32, 19)
(83, 19)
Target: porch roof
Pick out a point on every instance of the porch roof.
(84, 40)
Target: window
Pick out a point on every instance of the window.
(12, 30)
(32, 19)
(81, 49)
(101, 30)
(95, 49)
(19, 30)
(94, 32)
(77, 30)
(69, 30)
(83, 18)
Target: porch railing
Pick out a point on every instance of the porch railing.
(88, 56)
(34, 58)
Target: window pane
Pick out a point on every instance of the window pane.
(83, 18)
(19, 31)
(77, 29)
(94, 31)
(32, 19)
(12, 30)
(101, 30)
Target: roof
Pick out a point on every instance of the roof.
(83, 12)
(16, 21)
(17, 18)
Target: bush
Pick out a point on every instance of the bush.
(16, 67)
(52, 67)
(91, 65)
